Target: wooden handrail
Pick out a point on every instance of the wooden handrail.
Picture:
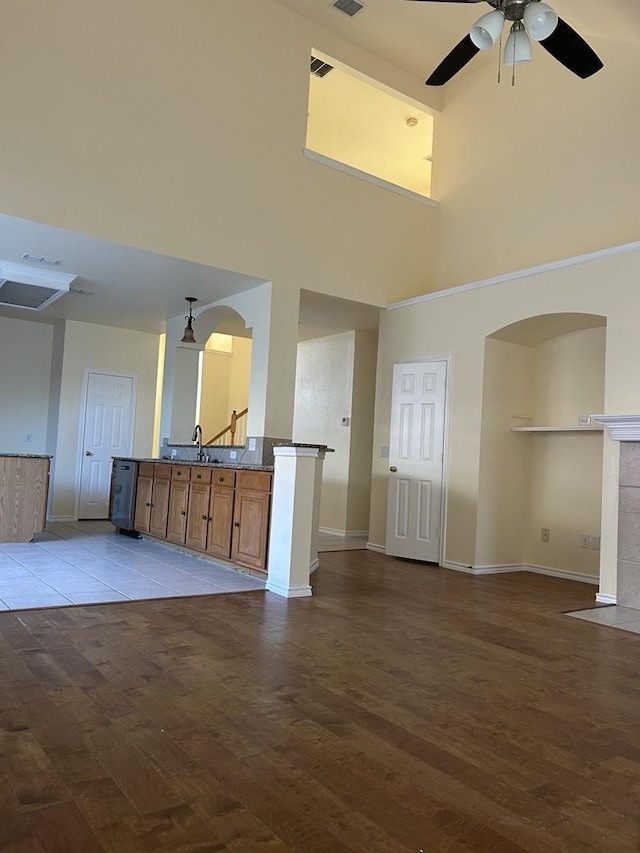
(231, 428)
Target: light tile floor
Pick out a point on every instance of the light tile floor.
(614, 616)
(88, 563)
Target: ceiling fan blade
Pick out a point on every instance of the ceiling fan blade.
(569, 48)
(450, 1)
(462, 53)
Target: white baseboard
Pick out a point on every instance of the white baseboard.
(62, 518)
(603, 598)
(332, 531)
(380, 549)
(314, 566)
(480, 570)
(562, 573)
(289, 592)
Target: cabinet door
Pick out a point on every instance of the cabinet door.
(143, 504)
(159, 508)
(250, 528)
(220, 521)
(177, 519)
(198, 516)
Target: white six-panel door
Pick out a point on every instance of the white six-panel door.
(107, 432)
(416, 453)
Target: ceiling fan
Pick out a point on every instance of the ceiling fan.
(530, 19)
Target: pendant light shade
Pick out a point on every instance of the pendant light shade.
(189, 337)
(540, 20)
(518, 47)
(485, 33)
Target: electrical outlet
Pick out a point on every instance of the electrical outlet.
(233, 454)
(584, 420)
(251, 444)
(594, 543)
(174, 453)
(346, 421)
(585, 540)
(545, 534)
(28, 437)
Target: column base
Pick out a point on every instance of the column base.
(289, 592)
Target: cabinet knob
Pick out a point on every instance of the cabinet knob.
(236, 524)
(198, 476)
(205, 518)
(221, 479)
(147, 503)
(183, 512)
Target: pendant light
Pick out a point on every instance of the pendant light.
(487, 30)
(189, 337)
(540, 20)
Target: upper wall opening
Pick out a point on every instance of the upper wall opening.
(356, 121)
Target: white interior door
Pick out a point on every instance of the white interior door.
(107, 432)
(416, 453)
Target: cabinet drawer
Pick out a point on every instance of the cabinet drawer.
(146, 469)
(180, 472)
(258, 480)
(200, 475)
(162, 472)
(223, 477)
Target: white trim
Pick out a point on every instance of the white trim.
(562, 573)
(289, 592)
(624, 249)
(314, 565)
(81, 423)
(480, 570)
(290, 450)
(379, 549)
(352, 534)
(604, 598)
(366, 176)
(61, 518)
(622, 427)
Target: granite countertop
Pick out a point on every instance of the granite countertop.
(25, 456)
(194, 463)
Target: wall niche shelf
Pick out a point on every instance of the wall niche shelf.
(578, 428)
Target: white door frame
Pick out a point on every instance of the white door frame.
(83, 413)
(448, 359)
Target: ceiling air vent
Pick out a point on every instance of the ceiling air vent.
(349, 7)
(319, 67)
(32, 289)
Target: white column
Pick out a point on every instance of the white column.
(294, 517)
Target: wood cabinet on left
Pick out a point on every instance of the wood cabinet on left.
(24, 485)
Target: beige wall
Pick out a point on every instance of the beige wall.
(335, 379)
(189, 146)
(224, 385)
(107, 349)
(457, 325)
(24, 392)
(544, 170)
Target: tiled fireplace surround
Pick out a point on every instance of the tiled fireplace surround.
(626, 430)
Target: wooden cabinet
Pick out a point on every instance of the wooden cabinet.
(220, 511)
(152, 499)
(24, 484)
(251, 519)
(177, 518)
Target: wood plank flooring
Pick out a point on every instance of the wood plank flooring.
(403, 708)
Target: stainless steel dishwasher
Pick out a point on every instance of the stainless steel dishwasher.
(124, 480)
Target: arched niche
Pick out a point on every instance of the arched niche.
(540, 459)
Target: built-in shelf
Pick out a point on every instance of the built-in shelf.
(579, 428)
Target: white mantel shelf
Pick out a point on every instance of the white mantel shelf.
(580, 428)
(621, 427)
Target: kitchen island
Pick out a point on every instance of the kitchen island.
(24, 487)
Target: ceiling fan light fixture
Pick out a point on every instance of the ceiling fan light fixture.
(540, 20)
(518, 47)
(486, 31)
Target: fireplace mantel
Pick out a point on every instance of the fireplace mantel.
(622, 427)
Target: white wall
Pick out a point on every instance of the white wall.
(103, 348)
(25, 355)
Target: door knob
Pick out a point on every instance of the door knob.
(88, 453)
(393, 468)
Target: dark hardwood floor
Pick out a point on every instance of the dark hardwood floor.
(402, 708)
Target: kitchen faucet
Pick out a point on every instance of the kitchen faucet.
(197, 436)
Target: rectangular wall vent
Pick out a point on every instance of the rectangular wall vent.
(30, 288)
(319, 67)
(349, 7)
